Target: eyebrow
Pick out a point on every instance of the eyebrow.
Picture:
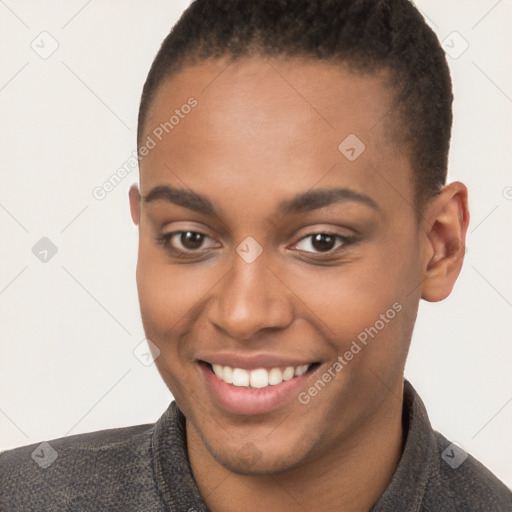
(320, 198)
(306, 201)
(181, 197)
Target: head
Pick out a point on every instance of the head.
(293, 211)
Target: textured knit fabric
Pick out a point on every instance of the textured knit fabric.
(146, 468)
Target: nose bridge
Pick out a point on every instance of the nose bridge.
(250, 298)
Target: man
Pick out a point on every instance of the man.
(292, 212)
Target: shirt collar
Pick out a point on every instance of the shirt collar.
(405, 491)
(173, 473)
(419, 459)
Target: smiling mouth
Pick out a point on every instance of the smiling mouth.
(258, 378)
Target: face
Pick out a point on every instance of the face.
(268, 250)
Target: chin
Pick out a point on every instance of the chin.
(264, 456)
(250, 461)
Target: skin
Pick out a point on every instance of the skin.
(263, 131)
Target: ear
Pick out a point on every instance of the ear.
(446, 222)
(134, 195)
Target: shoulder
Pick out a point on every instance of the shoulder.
(461, 482)
(83, 468)
(41, 454)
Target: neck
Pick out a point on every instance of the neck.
(350, 476)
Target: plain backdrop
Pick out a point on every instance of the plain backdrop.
(69, 326)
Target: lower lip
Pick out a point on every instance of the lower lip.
(252, 401)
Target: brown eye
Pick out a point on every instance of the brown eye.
(191, 240)
(183, 243)
(318, 243)
(322, 242)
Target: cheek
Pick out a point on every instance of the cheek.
(168, 292)
(168, 295)
(367, 301)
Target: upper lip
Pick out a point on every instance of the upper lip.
(254, 361)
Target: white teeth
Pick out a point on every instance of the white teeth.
(227, 375)
(240, 377)
(217, 369)
(275, 376)
(300, 370)
(288, 373)
(259, 378)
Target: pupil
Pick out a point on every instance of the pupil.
(323, 242)
(191, 240)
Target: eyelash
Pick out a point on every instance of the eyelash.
(165, 241)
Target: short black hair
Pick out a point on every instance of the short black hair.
(367, 35)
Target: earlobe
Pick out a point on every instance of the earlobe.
(447, 223)
(134, 196)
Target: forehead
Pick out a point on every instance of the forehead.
(272, 127)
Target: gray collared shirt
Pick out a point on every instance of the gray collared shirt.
(146, 468)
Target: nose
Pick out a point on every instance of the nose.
(249, 299)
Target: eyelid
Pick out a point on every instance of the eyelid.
(166, 238)
(345, 240)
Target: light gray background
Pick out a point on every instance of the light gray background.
(68, 327)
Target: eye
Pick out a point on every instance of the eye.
(183, 242)
(323, 242)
